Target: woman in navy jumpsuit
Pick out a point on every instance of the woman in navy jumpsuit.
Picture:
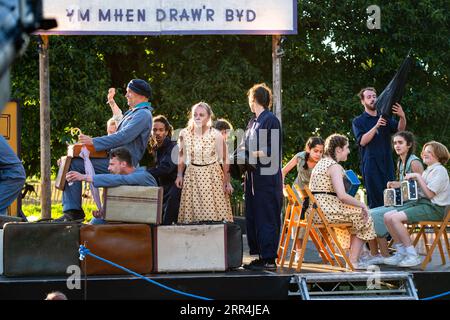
(263, 186)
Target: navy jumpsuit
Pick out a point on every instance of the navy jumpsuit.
(377, 166)
(263, 186)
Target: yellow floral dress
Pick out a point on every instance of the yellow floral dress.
(334, 209)
(202, 196)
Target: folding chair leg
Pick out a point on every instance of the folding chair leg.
(425, 241)
(417, 238)
(340, 249)
(281, 252)
(304, 242)
(320, 248)
(433, 246)
(441, 250)
(294, 247)
(421, 233)
(447, 243)
(331, 248)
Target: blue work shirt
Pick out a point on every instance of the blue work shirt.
(379, 149)
(377, 165)
(132, 132)
(140, 177)
(10, 165)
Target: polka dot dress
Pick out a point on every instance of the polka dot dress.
(202, 196)
(334, 209)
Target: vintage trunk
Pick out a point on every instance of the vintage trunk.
(235, 247)
(134, 204)
(128, 245)
(40, 249)
(6, 219)
(202, 247)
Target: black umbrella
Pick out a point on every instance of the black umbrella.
(393, 92)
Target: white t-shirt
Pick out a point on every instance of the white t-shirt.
(437, 180)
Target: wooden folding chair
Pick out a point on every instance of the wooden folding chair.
(291, 221)
(440, 231)
(326, 230)
(300, 196)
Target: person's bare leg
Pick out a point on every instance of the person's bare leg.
(398, 226)
(388, 222)
(373, 245)
(383, 245)
(355, 249)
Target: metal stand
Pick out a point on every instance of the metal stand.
(354, 286)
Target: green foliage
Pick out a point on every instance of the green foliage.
(33, 212)
(78, 78)
(325, 65)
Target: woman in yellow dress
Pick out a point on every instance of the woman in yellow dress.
(206, 183)
(327, 185)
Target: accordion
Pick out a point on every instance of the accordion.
(409, 190)
(351, 182)
(393, 197)
(396, 196)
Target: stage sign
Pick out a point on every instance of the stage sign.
(158, 17)
(10, 130)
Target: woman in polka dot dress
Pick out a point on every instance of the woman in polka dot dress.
(328, 188)
(205, 183)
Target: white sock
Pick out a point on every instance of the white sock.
(411, 251)
(400, 248)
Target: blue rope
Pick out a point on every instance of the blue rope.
(437, 296)
(85, 251)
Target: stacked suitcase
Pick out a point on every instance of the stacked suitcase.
(49, 248)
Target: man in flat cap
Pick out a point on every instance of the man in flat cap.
(133, 132)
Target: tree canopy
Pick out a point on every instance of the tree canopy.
(333, 55)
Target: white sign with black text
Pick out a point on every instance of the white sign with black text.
(172, 17)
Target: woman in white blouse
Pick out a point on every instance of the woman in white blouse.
(434, 195)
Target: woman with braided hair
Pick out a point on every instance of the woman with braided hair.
(327, 185)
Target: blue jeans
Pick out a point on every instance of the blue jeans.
(72, 194)
(98, 221)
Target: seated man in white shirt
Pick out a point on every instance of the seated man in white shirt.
(122, 173)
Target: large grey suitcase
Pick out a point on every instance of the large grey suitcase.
(40, 249)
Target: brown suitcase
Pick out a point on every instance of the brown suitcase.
(64, 166)
(74, 151)
(128, 245)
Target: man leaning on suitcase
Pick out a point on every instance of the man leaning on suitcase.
(123, 173)
(133, 132)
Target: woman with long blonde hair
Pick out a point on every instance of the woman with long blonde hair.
(203, 170)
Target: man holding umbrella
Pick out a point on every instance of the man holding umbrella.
(373, 130)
